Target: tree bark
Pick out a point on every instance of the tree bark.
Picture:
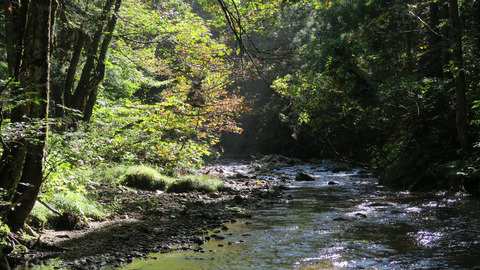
(435, 67)
(72, 68)
(476, 6)
(459, 75)
(100, 69)
(36, 79)
(93, 71)
(15, 18)
(13, 157)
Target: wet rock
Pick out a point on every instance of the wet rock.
(257, 167)
(199, 240)
(379, 204)
(70, 221)
(214, 195)
(301, 176)
(241, 175)
(340, 168)
(217, 237)
(238, 199)
(360, 215)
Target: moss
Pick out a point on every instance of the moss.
(5, 248)
(4, 230)
(40, 214)
(77, 203)
(65, 202)
(146, 178)
(200, 183)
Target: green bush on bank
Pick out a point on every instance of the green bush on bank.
(69, 192)
(67, 201)
(147, 178)
(201, 183)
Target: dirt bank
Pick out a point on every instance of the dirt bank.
(147, 221)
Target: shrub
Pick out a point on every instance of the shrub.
(111, 174)
(200, 183)
(147, 178)
(66, 201)
(77, 203)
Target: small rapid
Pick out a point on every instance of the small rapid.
(340, 220)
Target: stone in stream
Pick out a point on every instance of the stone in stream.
(360, 215)
(238, 199)
(199, 240)
(217, 237)
(301, 176)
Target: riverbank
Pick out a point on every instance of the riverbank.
(153, 221)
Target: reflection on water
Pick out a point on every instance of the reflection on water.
(352, 224)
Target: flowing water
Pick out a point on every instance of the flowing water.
(341, 221)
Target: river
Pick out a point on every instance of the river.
(341, 220)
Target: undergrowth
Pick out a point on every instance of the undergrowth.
(201, 183)
(68, 189)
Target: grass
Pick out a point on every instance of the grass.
(111, 174)
(200, 183)
(147, 178)
(75, 201)
(67, 201)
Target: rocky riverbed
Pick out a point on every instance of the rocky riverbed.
(153, 221)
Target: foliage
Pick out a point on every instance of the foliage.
(110, 174)
(372, 67)
(367, 81)
(67, 202)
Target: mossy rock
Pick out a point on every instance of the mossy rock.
(70, 221)
(145, 178)
(199, 183)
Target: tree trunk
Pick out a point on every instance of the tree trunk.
(435, 67)
(36, 79)
(72, 68)
(15, 19)
(476, 22)
(93, 71)
(459, 75)
(13, 157)
(11, 165)
(100, 69)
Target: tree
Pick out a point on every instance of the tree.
(459, 75)
(90, 40)
(31, 45)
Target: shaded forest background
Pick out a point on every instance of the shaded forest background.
(90, 88)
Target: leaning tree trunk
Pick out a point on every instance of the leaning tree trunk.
(459, 75)
(36, 79)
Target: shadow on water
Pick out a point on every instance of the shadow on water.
(342, 221)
